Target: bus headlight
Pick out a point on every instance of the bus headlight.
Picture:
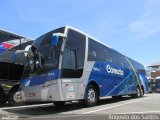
(50, 82)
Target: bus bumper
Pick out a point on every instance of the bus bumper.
(39, 93)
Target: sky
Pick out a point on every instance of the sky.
(131, 27)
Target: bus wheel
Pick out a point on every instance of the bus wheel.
(15, 98)
(138, 92)
(59, 103)
(142, 91)
(91, 96)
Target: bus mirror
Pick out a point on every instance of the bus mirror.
(28, 50)
(25, 51)
(55, 38)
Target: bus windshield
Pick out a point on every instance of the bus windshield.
(46, 56)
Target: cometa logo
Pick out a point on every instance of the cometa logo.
(114, 70)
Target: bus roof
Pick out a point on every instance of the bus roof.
(5, 32)
(12, 34)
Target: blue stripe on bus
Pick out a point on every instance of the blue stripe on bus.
(129, 89)
(113, 83)
(41, 79)
(119, 85)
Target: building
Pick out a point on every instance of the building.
(153, 70)
(11, 66)
(9, 40)
(153, 73)
(6, 36)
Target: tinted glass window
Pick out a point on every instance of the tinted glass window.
(70, 59)
(46, 58)
(99, 52)
(117, 58)
(50, 57)
(74, 48)
(95, 51)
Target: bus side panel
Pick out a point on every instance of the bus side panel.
(113, 79)
(69, 89)
(83, 81)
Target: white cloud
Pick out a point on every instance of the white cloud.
(152, 7)
(148, 24)
(146, 27)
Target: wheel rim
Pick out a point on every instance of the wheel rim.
(138, 92)
(17, 97)
(91, 96)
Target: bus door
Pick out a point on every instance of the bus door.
(69, 74)
(73, 64)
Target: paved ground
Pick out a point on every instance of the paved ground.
(146, 108)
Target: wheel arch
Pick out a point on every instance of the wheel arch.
(95, 84)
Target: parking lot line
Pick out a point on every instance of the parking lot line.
(106, 108)
(27, 106)
(144, 112)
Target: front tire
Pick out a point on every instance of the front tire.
(137, 95)
(91, 96)
(15, 98)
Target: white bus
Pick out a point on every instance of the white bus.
(67, 65)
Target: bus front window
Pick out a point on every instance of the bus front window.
(46, 58)
(32, 66)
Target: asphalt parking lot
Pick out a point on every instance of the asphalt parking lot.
(147, 107)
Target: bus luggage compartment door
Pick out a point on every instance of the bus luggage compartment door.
(69, 88)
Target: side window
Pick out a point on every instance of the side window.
(69, 58)
(74, 55)
(108, 54)
(99, 52)
(116, 57)
(96, 51)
